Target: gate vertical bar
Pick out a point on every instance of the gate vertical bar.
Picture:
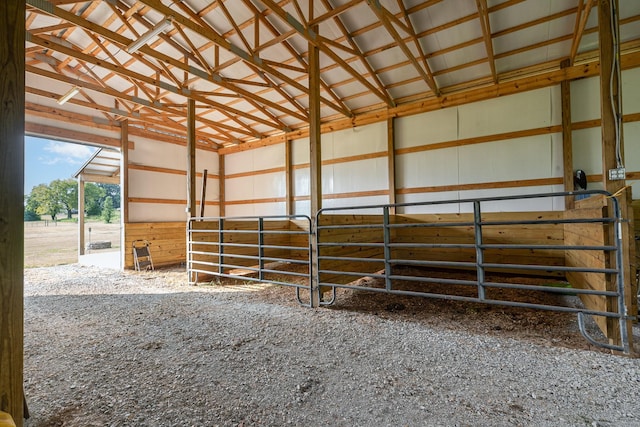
(220, 245)
(261, 248)
(622, 306)
(477, 232)
(387, 249)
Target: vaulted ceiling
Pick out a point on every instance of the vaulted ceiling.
(245, 62)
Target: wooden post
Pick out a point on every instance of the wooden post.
(391, 159)
(203, 193)
(612, 149)
(191, 158)
(124, 189)
(80, 215)
(315, 154)
(221, 184)
(12, 127)
(567, 138)
(289, 208)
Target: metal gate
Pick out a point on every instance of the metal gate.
(256, 248)
(375, 242)
(376, 246)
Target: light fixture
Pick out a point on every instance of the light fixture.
(146, 37)
(67, 96)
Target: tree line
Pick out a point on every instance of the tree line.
(60, 196)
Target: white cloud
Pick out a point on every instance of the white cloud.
(64, 152)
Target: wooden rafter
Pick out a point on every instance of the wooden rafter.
(581, 22)
(311, 37)
(385, 18)
(483, 15)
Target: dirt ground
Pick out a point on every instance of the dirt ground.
(47, 243)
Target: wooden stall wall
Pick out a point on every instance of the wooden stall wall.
(167, 242)
(246, 233)
(357, 235)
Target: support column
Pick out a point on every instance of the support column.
(391, 159)
(567, 139)
(221, 183)
(315, 157)
(81, 215)
(289, 208)
(12, 127)
(613, 151)
(191, 158)
(124, 190)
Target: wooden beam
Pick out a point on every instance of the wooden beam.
(80, 215)
(567, 141)
(483, 15)
(288, 159)
(191, 158)
(315, 156)
(612, 145)
(69, 135)
(221, 184)
(125, 146)
(12, 60)
(391, 159)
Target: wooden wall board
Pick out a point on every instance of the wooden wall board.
(167, 239)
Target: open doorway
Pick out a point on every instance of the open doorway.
(63, 226)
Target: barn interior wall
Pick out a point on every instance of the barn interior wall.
(503, 146)
(157, 181)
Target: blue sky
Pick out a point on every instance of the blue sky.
(46, 160)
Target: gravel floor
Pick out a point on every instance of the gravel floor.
(105, 348)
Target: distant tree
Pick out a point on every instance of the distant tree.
(65, 191)
(107, 210)
(112, 190)
(94, 196)
(42, 201)
(30, 207)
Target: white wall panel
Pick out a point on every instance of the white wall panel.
(631, 134)
(631, 91)
(587, 150)
(520, 205)
(271, 156)
(302, 207)
(240, 188)
(360, 140)
(363, 175)
(269, 185)
(585, 99)
(635, 189)
(521, 158)
(427, 168)
(426, 128)
(429, 197)
(153, 212)
(300, 151)
(157, 185)
(356, 201)
(256, 209)
(557, 159)
(521, 111)
(239, 162)
(158, 154)
(208, 160)
(301, 182)
(556, 105)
